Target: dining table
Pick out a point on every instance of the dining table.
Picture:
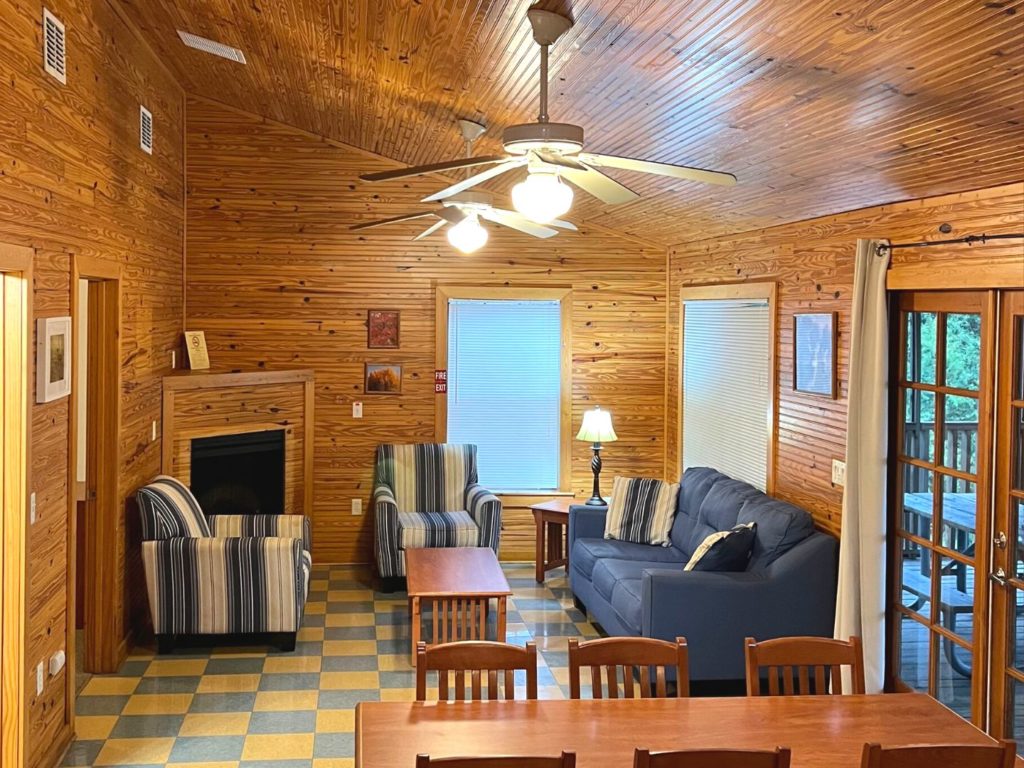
(821, 731)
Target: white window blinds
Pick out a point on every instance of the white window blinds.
(504, 382)
(726, 383)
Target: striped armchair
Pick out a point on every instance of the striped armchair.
(427, 496)
(227, 574)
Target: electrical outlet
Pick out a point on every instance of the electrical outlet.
(39, 679)
(357, 410)
(838, 472)
(152, 436)
(32, 508)
(357, 506)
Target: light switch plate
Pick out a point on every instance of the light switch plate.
(174, 359)
(357, 506)
(32, 508)
(39, 679)
(357, 410)
(838, 472)
(152, 437)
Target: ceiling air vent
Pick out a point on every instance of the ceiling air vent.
(54, 48)
(211, 46)
(146, 130)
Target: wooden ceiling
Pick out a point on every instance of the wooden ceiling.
(817, 106)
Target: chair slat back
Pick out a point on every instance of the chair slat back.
(565, 760)
(803, 665)
(713, 758)
(1000, 755)
(476, 661)
(613, 658)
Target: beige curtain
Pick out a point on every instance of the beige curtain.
(860, 604)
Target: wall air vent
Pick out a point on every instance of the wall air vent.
(211, 46)
(146, 130)
(54, 47)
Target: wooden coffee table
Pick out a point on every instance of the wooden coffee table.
(458, 583)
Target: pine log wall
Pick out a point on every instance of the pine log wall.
(276, 280)
(812, 262)
(74, 181)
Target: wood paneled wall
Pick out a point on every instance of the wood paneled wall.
(812, 262)
(74, 181)
(276, 280)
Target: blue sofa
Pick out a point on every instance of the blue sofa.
(632, 589)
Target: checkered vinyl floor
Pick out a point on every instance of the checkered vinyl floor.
(252, 706)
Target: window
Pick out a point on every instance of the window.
(728, 380)
(507, 371)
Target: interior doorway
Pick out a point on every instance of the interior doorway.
(15, 370)
(94, 506)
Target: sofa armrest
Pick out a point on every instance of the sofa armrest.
(225, 585)
(485, 509)
(586, 522)
(715, 611)
(283, 526)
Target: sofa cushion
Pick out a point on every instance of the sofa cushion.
(586, 552)
(641, 510)
(780, 527)
(693, 487)
(627, 603)
(720, 509)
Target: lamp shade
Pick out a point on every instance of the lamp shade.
(597, 427)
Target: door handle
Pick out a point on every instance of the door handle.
(1000, 540)
(999, 577)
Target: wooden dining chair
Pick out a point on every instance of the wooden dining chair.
(815, 662)
(1000, 755)
(479, 660)
(712, 758)
(566, 760)
(613, 653)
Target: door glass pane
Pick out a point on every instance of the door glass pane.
(917, 501)
(954, 677)
(1017, 523)
(914, 654)
(963, 351)
(919, 424)
(1017, 712)
(956, 598)
(960, 434)
(920, 359)
(1018, 347)
(1016, 646)
(959, 514)
(915, 578)
(1017, 450)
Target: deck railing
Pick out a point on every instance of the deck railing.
(959, 450)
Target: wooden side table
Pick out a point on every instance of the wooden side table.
(552, 521)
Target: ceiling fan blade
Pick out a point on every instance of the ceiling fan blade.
(393, 220)
(452, 214)
(604, 188)
(563, 161)
(472, 181)
(562, 224)
(423, 170)
(431, 229)
(661, 169)
(516, 221)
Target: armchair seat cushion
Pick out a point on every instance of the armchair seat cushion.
(587, 552)
(436, 529)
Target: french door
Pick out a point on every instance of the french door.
(957, 500)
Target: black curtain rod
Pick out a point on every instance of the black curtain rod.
(969, 240)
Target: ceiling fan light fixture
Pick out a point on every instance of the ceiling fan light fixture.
(468, 236)
(542, 197)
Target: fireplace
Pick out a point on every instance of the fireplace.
(240, 474)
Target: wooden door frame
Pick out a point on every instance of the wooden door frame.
(13, 529)
(104, 642)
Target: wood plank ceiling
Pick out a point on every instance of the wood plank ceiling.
(817, 106)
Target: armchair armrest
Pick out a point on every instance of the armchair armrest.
(221, 585)
(283, 526)
(586, 522)
(485, 508)
(385, 532)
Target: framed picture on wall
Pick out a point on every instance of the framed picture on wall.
(382, 326)
(382, 379)
(53, 358)
(814, 353)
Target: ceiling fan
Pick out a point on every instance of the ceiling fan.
(551, 153)
(463, 210)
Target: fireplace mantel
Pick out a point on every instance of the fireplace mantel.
(204, 404)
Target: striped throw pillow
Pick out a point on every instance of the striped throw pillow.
(641, 510)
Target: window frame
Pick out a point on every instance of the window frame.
(444, 294)
(734, 292)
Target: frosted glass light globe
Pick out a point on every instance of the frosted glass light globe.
(468, 236)
(542, 197)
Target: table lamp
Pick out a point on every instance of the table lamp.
(597, 429)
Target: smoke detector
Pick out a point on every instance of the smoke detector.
(206, 45)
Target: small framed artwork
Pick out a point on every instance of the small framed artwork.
(382, 326)
(53, 358)
(382, 379)
(195, 345)
(814, 353)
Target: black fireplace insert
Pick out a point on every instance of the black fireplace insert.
(240, 474)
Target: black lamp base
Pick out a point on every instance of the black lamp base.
(595, 465)
(595, 501)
